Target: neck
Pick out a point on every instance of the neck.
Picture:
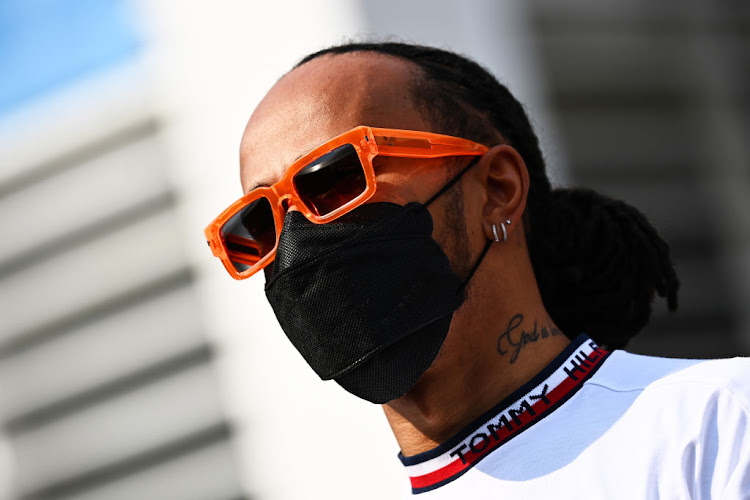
(464, 383)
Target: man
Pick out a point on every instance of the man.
(415, 253)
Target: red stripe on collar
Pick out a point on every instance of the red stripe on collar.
(531, 403)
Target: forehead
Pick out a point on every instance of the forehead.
(320, 100)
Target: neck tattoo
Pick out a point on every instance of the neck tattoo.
(514, 338)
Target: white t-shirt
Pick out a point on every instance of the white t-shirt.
(598, 425)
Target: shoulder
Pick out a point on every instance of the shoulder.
(627, 371)
(702, 382)
(717, 379)
(732, 374)
(688, 419)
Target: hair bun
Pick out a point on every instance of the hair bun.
(598, 262)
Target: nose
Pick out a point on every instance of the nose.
(286, 204)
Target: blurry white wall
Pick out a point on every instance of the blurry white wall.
(107, 384)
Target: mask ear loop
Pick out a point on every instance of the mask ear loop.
(453, 181)
(476, 265)
(487, 246)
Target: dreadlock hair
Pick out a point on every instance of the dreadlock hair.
(597, 260)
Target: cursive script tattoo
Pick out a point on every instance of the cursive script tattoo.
(516, 338)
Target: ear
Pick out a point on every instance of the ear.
(507, 184)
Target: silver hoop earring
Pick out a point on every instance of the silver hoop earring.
(505, 232)
(494, 232)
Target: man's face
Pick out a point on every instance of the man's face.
(333, 94)
(330, 95)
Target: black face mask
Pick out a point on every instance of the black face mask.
(367, 299)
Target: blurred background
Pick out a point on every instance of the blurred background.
(133, 367)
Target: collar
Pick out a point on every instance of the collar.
(536, 399)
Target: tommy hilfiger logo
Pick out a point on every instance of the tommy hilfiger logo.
(537, 399)
(492, 432)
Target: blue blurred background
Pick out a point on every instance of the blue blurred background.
(47, 44)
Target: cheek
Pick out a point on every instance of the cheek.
(441, 231)
(403, 180)
(394, 191)
(450, 230)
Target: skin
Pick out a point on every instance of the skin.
(334, 93)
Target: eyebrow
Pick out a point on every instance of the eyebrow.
(260, 183)
(268, 183)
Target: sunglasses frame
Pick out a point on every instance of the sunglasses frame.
(368, 142)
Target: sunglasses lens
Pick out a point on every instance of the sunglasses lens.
(250, 234)
(331, 181)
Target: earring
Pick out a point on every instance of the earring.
(502, 227)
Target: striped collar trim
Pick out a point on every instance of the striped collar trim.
(528, 405)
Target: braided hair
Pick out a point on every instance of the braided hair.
(597, 260)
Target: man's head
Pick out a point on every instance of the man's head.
(331, 94)
(603, 288)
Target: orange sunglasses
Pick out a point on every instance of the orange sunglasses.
(324, 184)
